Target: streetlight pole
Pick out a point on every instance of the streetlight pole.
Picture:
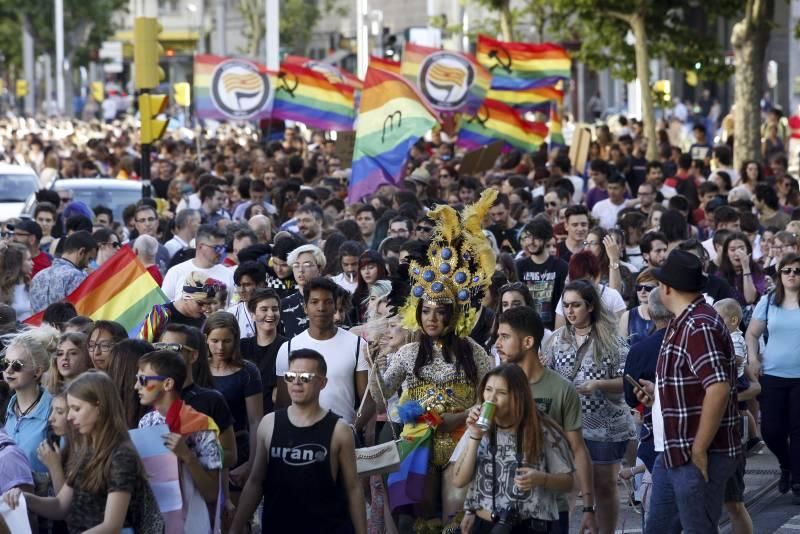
(362, 37)
(272, 34)
(59, 9)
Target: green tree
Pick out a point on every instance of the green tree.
(749, 39)
(297, 21)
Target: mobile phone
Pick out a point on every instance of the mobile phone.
(52, 437)
(637, 385)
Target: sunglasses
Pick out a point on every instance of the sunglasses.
(424, 228)
(303, 378)
(115, 244)
(644, 287)
(174, 347)
(144, 379)
(14, 365)
(790, 270)
(219, 249)
(551, 204)
(7, 234)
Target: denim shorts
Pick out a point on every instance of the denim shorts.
(606, 452)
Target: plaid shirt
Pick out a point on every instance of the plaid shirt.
(696, 353)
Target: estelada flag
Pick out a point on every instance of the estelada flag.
(121, 290)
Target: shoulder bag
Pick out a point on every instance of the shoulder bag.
(383, 457)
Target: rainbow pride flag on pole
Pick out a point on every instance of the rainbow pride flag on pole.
(449, 81)
(305, 95)
(515, 66)
(120, 290)
(334, 74)
(555, 125)
(391, 118)
(535, 99)
(227, 88)
(498, 121)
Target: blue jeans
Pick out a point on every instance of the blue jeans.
(682, 499)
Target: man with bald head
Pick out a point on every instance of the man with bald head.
(262, 226)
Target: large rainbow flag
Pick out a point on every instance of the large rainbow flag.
(515, 66)
(227, 88)
(498, 121)
(306, 95)
(449, 81)
(120, 290)
(391, 118)
(334, 74)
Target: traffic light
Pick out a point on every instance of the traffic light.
(183, 94)
(147, 52)
(22, 88)
(98, 93)
(150, 107)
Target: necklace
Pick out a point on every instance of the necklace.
(22, 413)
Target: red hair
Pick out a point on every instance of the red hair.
(584, 264)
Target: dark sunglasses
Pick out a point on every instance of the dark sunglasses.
(174, 347)
(644, 287)
(790, 270)
(551, 204)
(115, 244)
(291, 377)
(424, 228)
(9, 233)
(144, 379)
(14, 365)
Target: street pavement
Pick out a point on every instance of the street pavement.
(771, 512)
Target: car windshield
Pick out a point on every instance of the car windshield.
(17, 187)
(116, 199)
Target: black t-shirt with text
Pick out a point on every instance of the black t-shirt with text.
(546, 283)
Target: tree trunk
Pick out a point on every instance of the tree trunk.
(506, 24)
(749, 39)
(643, 74)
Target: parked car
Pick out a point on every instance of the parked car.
(108, 192)
(17, 183)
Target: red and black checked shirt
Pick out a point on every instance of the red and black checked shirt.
(696, 352)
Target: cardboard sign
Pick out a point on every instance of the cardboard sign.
(579, 149)
(345, 143)
(480, 160)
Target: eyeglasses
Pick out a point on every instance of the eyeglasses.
(114, 244)
(644, 287)
(103, 346)
(591, 243)
(790, 270)
(9, 233)
(146, 220)
(14, 365)
(304, 378)
(421, 228)
(175, 347)
(305, 266)
(144, 379)
(444, 175)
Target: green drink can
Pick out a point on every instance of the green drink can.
(486, 416)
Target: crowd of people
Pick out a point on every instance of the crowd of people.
(630, 321)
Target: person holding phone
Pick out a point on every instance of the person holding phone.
(516, 469)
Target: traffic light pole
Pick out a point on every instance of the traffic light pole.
(145, 160)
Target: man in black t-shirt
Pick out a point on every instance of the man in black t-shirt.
(544, 275)
(505, 229)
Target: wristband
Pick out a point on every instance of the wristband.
(747, 274)
(476, 439)
(588, 509)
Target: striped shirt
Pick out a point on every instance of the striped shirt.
(696, 353)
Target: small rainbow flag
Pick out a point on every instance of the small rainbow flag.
(498, 121)
(449, 81)
(120, 290)
(227, 88)
(386, 65)
(308, 96)
(534, 99)
(516, 66)
(391, 118)
(555, 126)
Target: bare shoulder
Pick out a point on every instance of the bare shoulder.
(343, 435)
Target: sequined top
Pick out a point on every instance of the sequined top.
(439, 385)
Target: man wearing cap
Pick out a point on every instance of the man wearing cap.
(29, 234)
(695, 421)
(190, 308)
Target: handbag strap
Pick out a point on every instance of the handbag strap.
(372, 370)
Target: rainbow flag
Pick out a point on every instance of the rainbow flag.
(498, 121)
(386, 65)
(227, 88)
(534, 99)
(449, 81)
(308, 96)
(391, 118)
(516, 66)
(120, 290)
(555, 126)
(334, 74)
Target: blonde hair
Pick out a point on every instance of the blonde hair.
(39, 343)
(54, 381)
(728, 309)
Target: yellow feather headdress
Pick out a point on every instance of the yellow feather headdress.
(460, 264)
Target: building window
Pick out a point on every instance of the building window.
(167, 7)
